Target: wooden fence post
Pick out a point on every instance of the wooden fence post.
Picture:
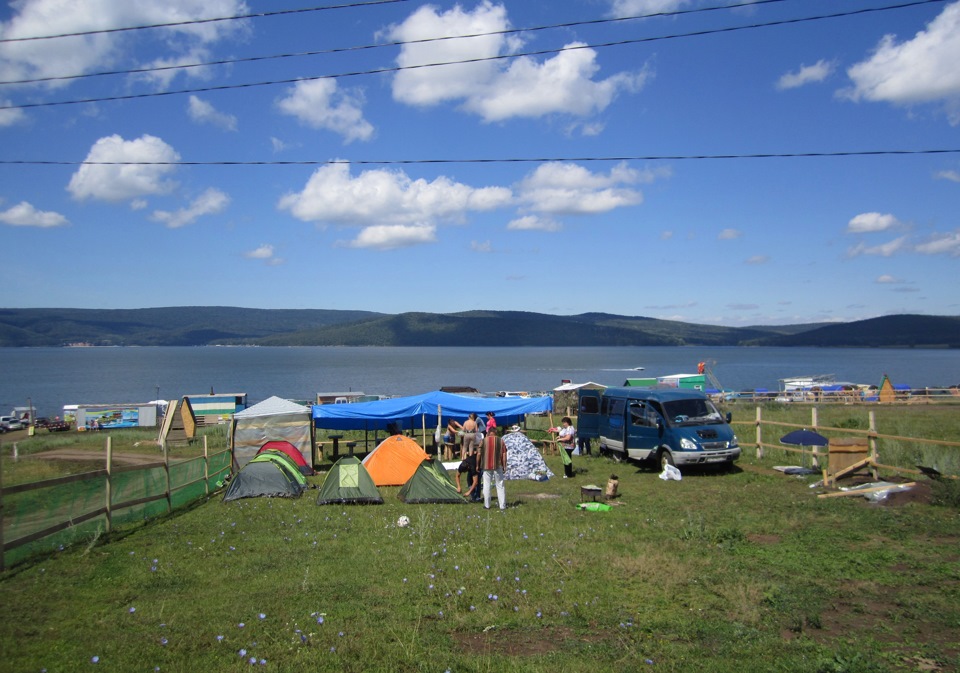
(815, 422)
(759, 432)
(108, 487)
(873, 441)
(166, 469)
(206, 468)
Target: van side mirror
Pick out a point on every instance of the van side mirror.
(729, 417)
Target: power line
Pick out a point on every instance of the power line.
(398, 43)
(499, 160)
(191, 22)
(541, 52)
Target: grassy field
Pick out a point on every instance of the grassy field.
(739, 571)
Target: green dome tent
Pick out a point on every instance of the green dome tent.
(429, 485)
(271, 474)
(349, 483)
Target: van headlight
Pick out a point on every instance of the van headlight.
(733, 443)
(687, 445)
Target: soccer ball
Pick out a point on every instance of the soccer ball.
(403, 522)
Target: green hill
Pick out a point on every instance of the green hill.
(219, 325)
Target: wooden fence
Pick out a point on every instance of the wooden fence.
(870, 433)
(109, 507)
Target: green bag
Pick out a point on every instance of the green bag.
(565, 457)
(594, 507)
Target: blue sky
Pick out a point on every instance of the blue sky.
(604, 223)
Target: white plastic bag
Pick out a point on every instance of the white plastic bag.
(670, 472)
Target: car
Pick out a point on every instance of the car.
(10, 423)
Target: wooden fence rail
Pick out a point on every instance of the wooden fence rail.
(871, 433)
(109, 507)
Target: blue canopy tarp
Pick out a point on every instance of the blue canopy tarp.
(419, 410)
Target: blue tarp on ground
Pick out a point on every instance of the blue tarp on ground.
(412, 412)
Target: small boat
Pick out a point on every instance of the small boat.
(637, 369)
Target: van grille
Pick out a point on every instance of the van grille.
(714, 446)
(707, 434)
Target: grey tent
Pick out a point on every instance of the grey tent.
(271, 474)
(429, 485)
(349, 483)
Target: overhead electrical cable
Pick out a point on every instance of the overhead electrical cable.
(500, 160)
(397, 43)
(191, 22)
(499, 57)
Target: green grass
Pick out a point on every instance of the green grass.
(739, 571)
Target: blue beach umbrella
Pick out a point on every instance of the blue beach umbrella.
(804, 438)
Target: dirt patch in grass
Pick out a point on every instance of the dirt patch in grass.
(519, 642)
(760, 538)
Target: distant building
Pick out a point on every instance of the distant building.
(215, 408)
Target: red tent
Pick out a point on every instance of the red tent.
(291, 451)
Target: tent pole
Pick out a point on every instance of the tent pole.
(423, 422)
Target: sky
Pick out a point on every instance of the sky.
(561, 157)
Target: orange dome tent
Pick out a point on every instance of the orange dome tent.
(394, 461)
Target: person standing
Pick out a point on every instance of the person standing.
(566, 438)
(491, 421)
(470, 428)
(493, 461)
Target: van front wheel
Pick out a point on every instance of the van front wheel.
(666, 459)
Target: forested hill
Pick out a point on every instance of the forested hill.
(217, 325)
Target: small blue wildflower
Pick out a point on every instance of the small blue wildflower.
(240, 625)
(242, 653)
(253, 660)
(219, 639)
(262, 616)
(333, 649)
(95, 660)
(163, 641)
(320, 619)
(340, 634)
(132, 610)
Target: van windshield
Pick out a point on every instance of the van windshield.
(693, 411)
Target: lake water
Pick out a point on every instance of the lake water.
(52, 377)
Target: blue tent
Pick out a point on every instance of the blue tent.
(418, 410)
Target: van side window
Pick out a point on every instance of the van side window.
(616, 408)
(642, 414)
(589, 405)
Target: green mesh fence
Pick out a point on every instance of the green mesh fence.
(78, 507)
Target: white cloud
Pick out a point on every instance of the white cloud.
(953, 176)
(887, 279)
(209, 202)
(644, 7)
(25, 215)
(10, 117)
(729, 234)
(380, 196)
(203, 112)
(562, 84)
(884, 250)
(277, 144)
(482, 247)
(922, 69)
(757, 260)
(871, 222)
(666, 235)
(266, 253)
(122, 182)
(392, 236)
(493, 89)
(79, 55)
(817, 72)
(568, 188)
(941, 244)
(534, 223)
(321, 104)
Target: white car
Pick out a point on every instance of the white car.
(10, 423)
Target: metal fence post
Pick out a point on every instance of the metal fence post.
(759, 432)
(206, 468)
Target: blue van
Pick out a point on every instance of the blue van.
(666, 426)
